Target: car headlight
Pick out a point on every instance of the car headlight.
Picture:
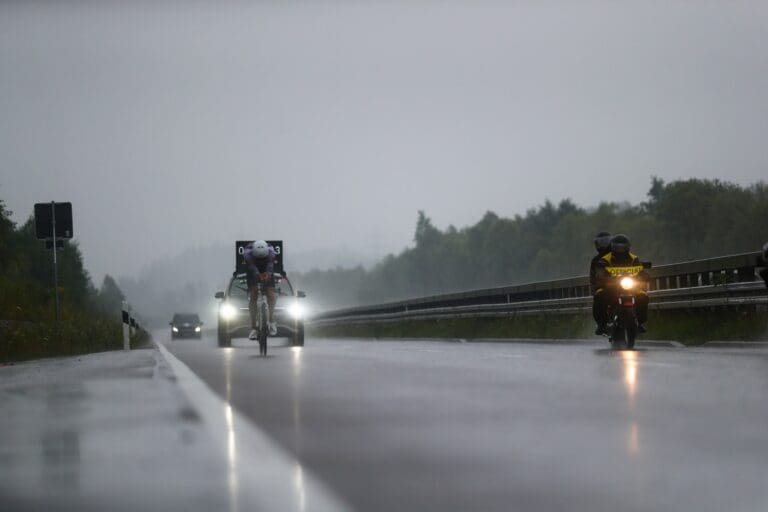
(175, 329)
(227, 311)
(296, 310)
(627, 283)
(197, 329)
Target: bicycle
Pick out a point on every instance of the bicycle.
(262, 318)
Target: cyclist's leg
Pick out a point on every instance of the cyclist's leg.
(253, 293)
(271, 294)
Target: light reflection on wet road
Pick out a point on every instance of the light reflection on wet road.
(403, 425)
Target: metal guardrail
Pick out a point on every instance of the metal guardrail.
(714, 282)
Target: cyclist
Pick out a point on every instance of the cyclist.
(619, 256)
(260, 263)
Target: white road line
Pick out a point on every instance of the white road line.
(261, 475)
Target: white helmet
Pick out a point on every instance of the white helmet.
(260, 249)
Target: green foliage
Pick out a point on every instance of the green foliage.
(90, 320)
(110, 298)
(6, 229)
(78, 332)
(681, 220)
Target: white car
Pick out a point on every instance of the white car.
(235, 320)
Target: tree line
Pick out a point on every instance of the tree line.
(681, 220)
(90, 317)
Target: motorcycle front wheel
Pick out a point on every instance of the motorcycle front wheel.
(628, 326)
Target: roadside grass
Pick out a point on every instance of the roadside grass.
(690, 327)
(77, 333)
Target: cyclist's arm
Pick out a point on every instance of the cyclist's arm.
(271, 261)
(250, 265)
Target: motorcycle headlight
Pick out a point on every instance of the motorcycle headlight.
(175, 329)
(627, 283)
(227, 311)
(296, 310)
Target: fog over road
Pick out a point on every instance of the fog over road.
(433, 425)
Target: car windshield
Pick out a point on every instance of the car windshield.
(283, 287)
(238, 289)
(180, 318)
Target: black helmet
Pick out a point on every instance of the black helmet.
(620, 244)
(603, 242)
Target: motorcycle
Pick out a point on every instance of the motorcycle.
(622, 312)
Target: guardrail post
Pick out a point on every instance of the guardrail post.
(693, 280)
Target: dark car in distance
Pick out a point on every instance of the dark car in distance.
(186, 325)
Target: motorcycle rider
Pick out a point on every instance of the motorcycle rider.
(619, 256)
(260, 264)
(602, 246)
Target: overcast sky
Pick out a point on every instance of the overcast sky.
(329, 124)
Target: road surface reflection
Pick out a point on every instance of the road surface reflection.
(629, 359)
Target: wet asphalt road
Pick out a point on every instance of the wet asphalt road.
(430, 425)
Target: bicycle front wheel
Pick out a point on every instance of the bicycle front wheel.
(263, 329)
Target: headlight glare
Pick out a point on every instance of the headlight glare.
(175, 329)
(197, 329)
(627, 283)
(227, 311)
(296, 310)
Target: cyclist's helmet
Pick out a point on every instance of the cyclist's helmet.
(603, 242)
(260, 249)
(620, 244)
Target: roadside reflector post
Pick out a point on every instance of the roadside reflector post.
(126, 328)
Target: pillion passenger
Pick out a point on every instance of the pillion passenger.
(602, 246)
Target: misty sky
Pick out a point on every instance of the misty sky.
(329, 124)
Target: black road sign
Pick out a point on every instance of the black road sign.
(44, 220)
(240, 266)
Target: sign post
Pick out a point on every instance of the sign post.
(55, 264)
(54, 230)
